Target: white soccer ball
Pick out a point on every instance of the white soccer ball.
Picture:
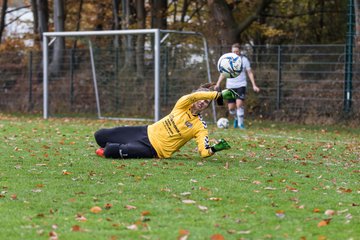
(230, 65)
(222, 123)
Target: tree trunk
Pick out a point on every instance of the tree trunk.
(184, 10)
(158, 14)
(228, 30)
(2, 18)
(59, 44)
(223, 21)
(127, 39)
(34, 9)
(43, 16)
(140, 41)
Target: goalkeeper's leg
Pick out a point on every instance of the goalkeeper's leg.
(137, 149)
(125, 142)
(119, 135)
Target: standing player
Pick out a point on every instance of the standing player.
(238, 84)
(169, 134)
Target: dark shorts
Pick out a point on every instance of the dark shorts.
(242, 93)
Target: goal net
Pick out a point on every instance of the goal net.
(125, 74)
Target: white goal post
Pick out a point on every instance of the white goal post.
(50, 37)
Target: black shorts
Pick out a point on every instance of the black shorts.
(242, 93)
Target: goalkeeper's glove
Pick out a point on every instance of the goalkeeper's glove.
(219, 100)
(220, 145)
(229, 94)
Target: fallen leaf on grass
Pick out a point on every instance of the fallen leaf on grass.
(183, 234)
(185, 193)
(316, 210)
(348, 217)
(217, 237)
(165, 190)
(76, 228)
(329, 212)
(145, 213)
(53, 235)
(108, 206)
(292, 189)
(202, 208)
(130, 207)
(95, 209)
(188, 201)
(80, 218)
(132, 227)
(343, 211)
(41, 164)
(215, 199)
(344, 190)
(269, 188)
(65, 172)
(324, 222)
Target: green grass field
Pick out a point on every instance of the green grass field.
(278, 181)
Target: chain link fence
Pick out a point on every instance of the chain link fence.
(298, 83)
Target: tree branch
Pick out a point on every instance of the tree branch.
(248, 21)
(15, 19)
(17, 9)
(291, 16)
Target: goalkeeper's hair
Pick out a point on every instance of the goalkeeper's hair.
(206, 87)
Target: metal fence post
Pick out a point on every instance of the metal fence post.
(279, 83)
(166, 63)
(30, 80)
(72, 70)
(349, 57)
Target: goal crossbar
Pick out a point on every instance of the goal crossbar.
(157, 44)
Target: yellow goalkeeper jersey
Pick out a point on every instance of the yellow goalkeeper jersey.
(174, 130)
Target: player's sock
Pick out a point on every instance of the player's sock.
(240, 116)
(234, 115)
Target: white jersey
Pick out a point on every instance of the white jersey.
(239, 81)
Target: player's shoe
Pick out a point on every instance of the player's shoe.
(236, 123)
(242, 126)
(100, 152)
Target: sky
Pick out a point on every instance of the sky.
(18, 22)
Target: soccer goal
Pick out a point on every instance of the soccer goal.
(123, 74)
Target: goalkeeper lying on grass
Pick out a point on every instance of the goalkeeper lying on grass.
(163, 138)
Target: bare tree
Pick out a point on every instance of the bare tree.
(2, 18)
